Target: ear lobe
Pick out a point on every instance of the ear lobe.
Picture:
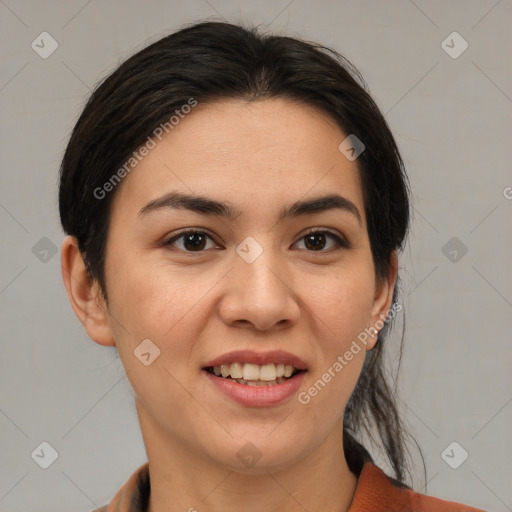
(85, 296)
(382, 300)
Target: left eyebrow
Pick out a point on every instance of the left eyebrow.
(207, 206)
(319, 205)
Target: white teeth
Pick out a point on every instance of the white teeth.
(236, 371)
(268, 372)
(224, 370)
(251, 371)
(259, 375)
(288, 370)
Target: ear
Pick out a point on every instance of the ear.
(84, 295)
(382, 301)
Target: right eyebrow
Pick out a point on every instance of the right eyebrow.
(199, 204)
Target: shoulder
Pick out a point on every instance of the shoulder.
(376, 489)
(133, 496)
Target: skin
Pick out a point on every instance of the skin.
(198, 305)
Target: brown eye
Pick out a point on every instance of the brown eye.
(317, 241)
(191, 241)
(194, 241)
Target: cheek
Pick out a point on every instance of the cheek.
(341, 315)
(342, 307)
(148, 303)
(153, 299)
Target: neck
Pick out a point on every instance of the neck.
(183, 480)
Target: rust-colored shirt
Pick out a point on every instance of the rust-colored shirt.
(375, 492)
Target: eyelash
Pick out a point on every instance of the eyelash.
(340, 241)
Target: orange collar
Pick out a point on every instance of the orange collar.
(375, 492)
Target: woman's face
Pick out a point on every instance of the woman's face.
(250, 282)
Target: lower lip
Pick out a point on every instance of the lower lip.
(258, 396)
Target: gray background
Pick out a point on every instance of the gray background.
(452, 118)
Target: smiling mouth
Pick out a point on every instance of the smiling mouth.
(255, 375)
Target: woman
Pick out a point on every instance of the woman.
(234, 205)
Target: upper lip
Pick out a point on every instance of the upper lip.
(259, 358)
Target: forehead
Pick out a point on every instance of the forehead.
(249, 153)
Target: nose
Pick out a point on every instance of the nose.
(259, 295)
